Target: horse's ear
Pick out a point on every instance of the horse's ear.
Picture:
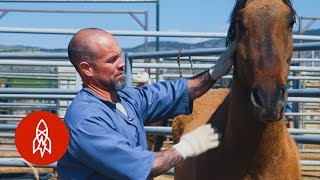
(85, 68)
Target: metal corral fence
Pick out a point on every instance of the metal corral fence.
(65, 82)
(57, 99)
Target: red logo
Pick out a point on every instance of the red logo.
(41, 138)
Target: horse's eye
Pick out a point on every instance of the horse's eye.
(291, 23)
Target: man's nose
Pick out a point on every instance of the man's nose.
(120, 63)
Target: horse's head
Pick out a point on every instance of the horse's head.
(262, 31)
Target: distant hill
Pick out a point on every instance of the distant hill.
(164, 45)
(20, 48)
(170, 45)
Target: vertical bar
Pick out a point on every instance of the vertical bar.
(128, 69)
(295, 83)
(157, 38)
(157, 24)
(146, 46)
(146, 28)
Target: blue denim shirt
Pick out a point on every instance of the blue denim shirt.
(105, 143)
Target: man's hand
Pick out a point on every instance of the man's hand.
(223, 64)
(191, 144)
(197, 141)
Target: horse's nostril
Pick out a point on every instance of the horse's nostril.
(283, 96)
(283, 91)
(256, 99)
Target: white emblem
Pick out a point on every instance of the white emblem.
(41, 142)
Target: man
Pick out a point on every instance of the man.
(141, 78)
(105, 120)
(290, 122)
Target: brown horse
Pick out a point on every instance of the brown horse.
(255, 143)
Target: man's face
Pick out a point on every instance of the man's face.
(108, 66)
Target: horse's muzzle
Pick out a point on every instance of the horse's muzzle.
(268, 106)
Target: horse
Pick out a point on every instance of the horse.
(254, 142)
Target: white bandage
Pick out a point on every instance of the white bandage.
(197, 141)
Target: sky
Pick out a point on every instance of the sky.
(175, 15)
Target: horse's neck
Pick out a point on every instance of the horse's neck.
(241, 125)
(244, 136)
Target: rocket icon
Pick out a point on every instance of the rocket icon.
(41, 142)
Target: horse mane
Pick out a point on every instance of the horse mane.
(239, 5)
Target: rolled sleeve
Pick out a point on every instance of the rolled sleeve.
(163, 100)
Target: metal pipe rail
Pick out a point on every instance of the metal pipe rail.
(312, 121)
(64, 57)
(36, 63)
(160, 130)
(302, 114)
(140, 65)
(38, 78)
(6, 135)
(11, 116)
(58, 91)
(38, 96)
(19, 162)
(170, 75)
(9, 104)
(304, 131)
(306, 139)
(137, 33)
(14, 117)
(207, 66)
(38, 91)
(303, 99)
(214, 58)
(84, 1)
(168, 131)
(68, 75)
(38, 56)
(70, 97)
(304, 92)
(309, 163)
(73, 11)
(10, 119)
(305, 60)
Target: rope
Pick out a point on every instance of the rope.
(34, 170)
(190, 60)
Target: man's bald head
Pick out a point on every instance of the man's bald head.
(82, 45)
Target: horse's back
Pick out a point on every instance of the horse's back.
(203, 110)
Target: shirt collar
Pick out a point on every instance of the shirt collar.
(109, 103)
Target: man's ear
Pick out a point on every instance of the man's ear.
(86, 68)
